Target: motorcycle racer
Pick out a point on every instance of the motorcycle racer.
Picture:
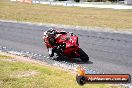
(52, 35)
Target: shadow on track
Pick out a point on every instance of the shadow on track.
(71, 60)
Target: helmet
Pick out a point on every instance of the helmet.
(51, 31)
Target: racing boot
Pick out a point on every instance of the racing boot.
(51, 53)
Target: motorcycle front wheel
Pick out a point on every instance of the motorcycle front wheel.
(83, 56)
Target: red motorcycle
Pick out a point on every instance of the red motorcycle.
(66, 44)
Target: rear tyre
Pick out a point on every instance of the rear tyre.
(83, 56)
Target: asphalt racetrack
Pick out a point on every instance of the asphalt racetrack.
(108, 52)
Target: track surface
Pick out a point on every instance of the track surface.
(108, 52)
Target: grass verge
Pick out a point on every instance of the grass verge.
(117, 19)
(31, 75)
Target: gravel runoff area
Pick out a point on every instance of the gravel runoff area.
(85, 4)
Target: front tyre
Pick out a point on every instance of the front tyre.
(83, 56)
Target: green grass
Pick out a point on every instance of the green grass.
(4, 57)
(117, 19)
(46, 77)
